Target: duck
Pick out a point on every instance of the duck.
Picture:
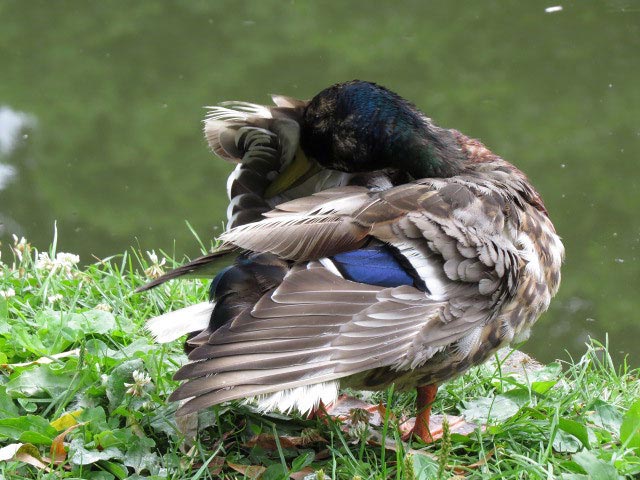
(366, 246)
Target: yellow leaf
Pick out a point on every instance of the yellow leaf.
(67, 420)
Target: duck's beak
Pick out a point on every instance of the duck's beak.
(297, 172)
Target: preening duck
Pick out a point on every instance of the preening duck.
(368, 246)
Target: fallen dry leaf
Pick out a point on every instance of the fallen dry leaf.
(25, 453)
(456, 425)
(343, 409)
(216, 465)
(249, 471)
(268, 441)
(300, 474)
(57, 451)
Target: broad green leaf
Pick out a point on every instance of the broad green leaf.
(107, 438)
(5, 327)
(630, 428)
(60, 329)
(8, 408)
(497, 408)
(79, 455)
(120, 472)
(95, 419)
(564, 442)
(102, 475)
(22, 337)
(302, 461)
(163, 419)
(100, 350)
(274, 472)
(140, 457)
(596, 469)
(606, 416)
(519, 396)
(27, 405)
(578, 430)
(423, 467)
(544, 386)
(38, 380)
(93, 321)
(28, 429)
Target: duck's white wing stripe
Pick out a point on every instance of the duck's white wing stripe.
(171, 326)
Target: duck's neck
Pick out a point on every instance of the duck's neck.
(429, 151)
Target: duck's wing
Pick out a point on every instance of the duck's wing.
(319, 325)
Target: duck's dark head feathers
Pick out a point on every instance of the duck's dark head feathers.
(360, 126)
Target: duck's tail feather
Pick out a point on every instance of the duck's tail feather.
(262, 140)
(241, 131)
(202, 267)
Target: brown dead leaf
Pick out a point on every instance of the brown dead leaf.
(249, 471)
(31, 460)
(343, 409)
(57, 450)
(456, 425)
(25, 453)
(215, 466)
(300, 474)
(322, 455)
(268, 441)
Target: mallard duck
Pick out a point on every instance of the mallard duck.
(369, 247)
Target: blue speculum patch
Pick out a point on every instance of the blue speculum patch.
(374, 265)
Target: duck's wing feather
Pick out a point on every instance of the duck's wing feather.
(317, 327)
(206, 266)
(314, 327)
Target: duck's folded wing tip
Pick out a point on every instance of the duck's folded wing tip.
(202, 267)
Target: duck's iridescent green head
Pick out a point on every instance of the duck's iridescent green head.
(360, 126)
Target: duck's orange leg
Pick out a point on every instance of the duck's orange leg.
(426, 397)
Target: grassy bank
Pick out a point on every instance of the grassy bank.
(83, 394)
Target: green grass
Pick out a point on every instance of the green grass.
(84, 415)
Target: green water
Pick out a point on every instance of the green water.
(101, 108)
